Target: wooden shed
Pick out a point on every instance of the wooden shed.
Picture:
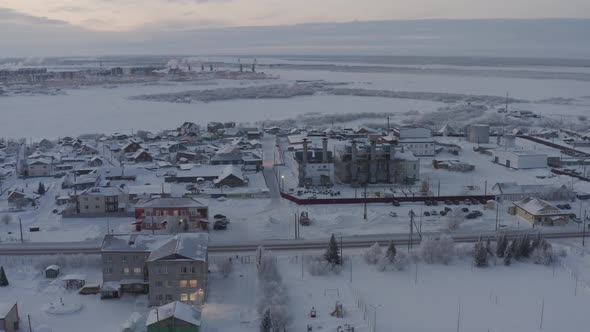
(52, 271)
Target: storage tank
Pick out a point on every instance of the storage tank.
(478, 133)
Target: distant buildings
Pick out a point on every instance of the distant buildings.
(170, 212)
(416, 139)
(314, 167)
(102, 200)
(9, 318)
(38, 167)
(478, 133)
(174, 317)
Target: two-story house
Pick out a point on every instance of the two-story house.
(103, 200)
(166, 267)
(162, 212)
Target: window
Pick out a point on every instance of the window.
(193, 269)
(148, 213)
(193, 296)
(109, 270)
(168, 283)
(162, 270)
(126, 271)
(184, 269)
(184, 297)
(193, 283)
(135, 258)
(159, 297)
(159, 283)
(86, 207)
(183, 283)
(97, 206)
(85, 199)
(109, 258)
(124, 259)
(137, 270)
(97, 198)
(168, 297)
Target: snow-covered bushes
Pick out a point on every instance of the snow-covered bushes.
(272, 297)
(318, 266)
(373, 254)
(437, 249)
(455, 219)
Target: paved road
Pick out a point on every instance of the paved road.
(268, 146)
(357, 241)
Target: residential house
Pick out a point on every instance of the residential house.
(513, 191)
(9, 318)
(131, 147)
(519, 159)
(167, 212)
(86, 181)
(538, 212)
(174, 317)
(102, 200)
(87, 149)
(96, 161)
(141, 156)
(38, 167)
(227, 155)
(21, 196)
(188, 128)
(231, 176)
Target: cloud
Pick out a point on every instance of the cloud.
(70, 9)
(8, 15)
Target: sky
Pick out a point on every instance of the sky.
(53, 27)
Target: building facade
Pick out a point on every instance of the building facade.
(99, 200)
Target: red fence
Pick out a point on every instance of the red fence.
(319, 201)
(567, 150)
(574, 175)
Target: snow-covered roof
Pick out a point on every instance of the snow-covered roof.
(5, 308)
(536, 206)
(405, 155)
(178, 310)
(191, 246)
(508, 188)
(133, 243)
(40, 161)
(74, 277)
(103, 191)
(230, 170)
(52, 267)
(204, 171)
(139, 153)
(170, 202)
(150, 189)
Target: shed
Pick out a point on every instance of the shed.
(74, 281)
(174, 317)
(52, 271)
(9, 319)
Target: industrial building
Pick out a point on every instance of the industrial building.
(416, 139)
(359, 164)
(313, 166)
(519, 159)
(478, 133)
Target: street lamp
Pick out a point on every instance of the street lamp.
(282, 183)
(374, 327)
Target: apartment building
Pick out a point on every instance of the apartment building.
(103, 200)
(166, 267)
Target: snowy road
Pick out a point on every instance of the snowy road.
(268, 146)
(357, 241)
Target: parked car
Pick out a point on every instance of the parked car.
(465, 209)
(395, 203)
(448, 202)
(219, 216)
(567, 206)
(456, 202)
(434, 213)
(448, 209)
(427, 203)
(477, 213)
(467, 202)
(443, 213)
(426, 214)
(434, 203)
(392, 214)
(219, 226)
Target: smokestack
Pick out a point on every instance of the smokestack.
(353, 163)
(304, 157)
(373, 163)
(325, 150)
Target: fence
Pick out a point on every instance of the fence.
(574, 175)
(320, 201)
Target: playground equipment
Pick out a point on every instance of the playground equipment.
(338, 310)
(304, 219)
(313, 313)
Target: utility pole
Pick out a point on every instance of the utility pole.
(20, 224)
(411, 214)
(365, 204)
(341, 249)
(30, 328)
(497, 213)
(584, 230)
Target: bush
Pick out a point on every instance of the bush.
(318, 266)
(455, 219)
(373, 254)
(437, 250)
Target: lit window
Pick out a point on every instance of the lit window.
(193, 283)
(193, 296)
(183, 283)
(184, 297)
(137, 270)
(126, 271)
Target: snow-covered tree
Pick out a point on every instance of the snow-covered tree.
(265, 323)
(455, 219)
(537, 241)
(3, 278)
(489, 248)
(543, 254)
(41, 189)
(437, 249)
(226, 267)
(6, 219)
(501, 245)
(480, 254)
(373, 254)
(390, 253)
(525, 246)
(332, 254)
(508, 255)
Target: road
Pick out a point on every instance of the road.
(268, 146)
(356, 241)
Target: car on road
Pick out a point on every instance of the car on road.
(219, 216)
(395, 203)
(443, 213)
(428, 203)
(392, 214)
(219, 225)
(434, 203)
(426, 214)
(465, 209)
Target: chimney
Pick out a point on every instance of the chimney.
(304, 157)
(324, 150)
